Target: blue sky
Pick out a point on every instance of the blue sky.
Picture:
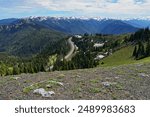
(78, 8)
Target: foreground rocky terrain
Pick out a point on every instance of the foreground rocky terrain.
(122, 82)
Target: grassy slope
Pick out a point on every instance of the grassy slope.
(122, 83)
(121, 57)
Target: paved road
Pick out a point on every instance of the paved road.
(72, 48)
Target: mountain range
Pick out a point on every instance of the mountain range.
(72, 25)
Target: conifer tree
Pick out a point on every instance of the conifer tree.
(16, 70)
(135, 51)
(141, 51)
(148, 49)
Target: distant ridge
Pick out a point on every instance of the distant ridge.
(81, 25)
(73, 25)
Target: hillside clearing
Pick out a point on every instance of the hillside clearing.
(122, 57)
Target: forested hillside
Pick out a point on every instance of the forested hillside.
(142, 46)
(25, 47)
(26, 39)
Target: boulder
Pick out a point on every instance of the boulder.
(43, 92)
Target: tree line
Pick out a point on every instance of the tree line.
(142, 50)
(141, 35)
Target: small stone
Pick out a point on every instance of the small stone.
(49, 86)
(143, 75)
(60, 83)
(107, 84)
(78, 76)
(15, 78)
(48, 94)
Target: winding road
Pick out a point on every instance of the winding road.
(72, 49)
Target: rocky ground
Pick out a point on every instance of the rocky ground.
(123, 82)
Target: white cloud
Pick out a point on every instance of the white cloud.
(131, 7)
(119, 8)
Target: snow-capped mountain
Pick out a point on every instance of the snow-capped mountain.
(74, 25)
(139, 23)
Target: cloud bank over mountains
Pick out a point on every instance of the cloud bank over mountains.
(89, 8)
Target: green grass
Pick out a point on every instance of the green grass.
(77, 89)
(122, 57)
(53, 83)
(94, 90)
(29, 88)
(94, 81)
(42, 84)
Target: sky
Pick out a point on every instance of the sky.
(76, 8)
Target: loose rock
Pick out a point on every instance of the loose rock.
(15, 78)
(107, 84)
(44, 93)
(143, 75)
(49, 86)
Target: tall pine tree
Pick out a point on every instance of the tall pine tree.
(148, 48)
(135, 51)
